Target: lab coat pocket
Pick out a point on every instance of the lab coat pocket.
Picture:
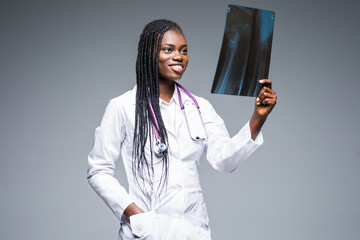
(143, 225)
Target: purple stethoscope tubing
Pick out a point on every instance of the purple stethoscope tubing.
(155, 120)
(197, 139)
(161, 146)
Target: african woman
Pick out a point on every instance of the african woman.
(161, 130)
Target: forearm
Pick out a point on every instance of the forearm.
(226, 154)
(256, 122)
(111, 191)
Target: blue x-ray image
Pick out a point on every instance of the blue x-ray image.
(245, 51)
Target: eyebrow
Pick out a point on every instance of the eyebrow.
(172, 45)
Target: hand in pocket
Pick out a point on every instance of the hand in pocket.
(143, 224)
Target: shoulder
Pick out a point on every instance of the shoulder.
(126, 100)
(121, 107)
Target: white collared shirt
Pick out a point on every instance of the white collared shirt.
(179, 212)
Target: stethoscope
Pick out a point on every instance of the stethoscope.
(160, 146)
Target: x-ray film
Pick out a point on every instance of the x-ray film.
(245, 51)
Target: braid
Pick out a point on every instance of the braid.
(147, 80)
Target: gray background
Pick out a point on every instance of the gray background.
(61, 62)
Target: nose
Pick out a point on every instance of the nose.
(177, 56)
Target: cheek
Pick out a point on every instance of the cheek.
(162, 67)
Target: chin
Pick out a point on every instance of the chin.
(173, 79)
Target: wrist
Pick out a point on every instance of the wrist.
(257, 117)
(256, 122)
(132, 209)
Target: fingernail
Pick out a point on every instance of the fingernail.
(261, 81)
(257, 99)
(258, 103)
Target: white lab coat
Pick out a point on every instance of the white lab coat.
(179, 212)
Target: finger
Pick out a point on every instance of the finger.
(260, 99)
(260, 96)
(265, 82)
(262, 91)
(265, 93)
(266, 99)
(269, 90)
(269, 95)
(269, 101)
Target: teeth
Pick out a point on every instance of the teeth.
(177, 66)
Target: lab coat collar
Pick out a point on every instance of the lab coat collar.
(174, 98)
(186, 100)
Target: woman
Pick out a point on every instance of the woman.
(161, 135)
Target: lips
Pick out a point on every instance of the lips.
(178, 68)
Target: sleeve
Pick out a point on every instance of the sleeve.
(224, 153)
(101, 161)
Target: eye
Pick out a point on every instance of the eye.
(167, 50)
(184, 51)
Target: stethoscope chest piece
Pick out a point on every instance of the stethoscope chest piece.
(159, 148)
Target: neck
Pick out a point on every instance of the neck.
(166, 89)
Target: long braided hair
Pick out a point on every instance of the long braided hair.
(147, 80)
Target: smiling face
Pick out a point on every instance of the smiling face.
(173, 57)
